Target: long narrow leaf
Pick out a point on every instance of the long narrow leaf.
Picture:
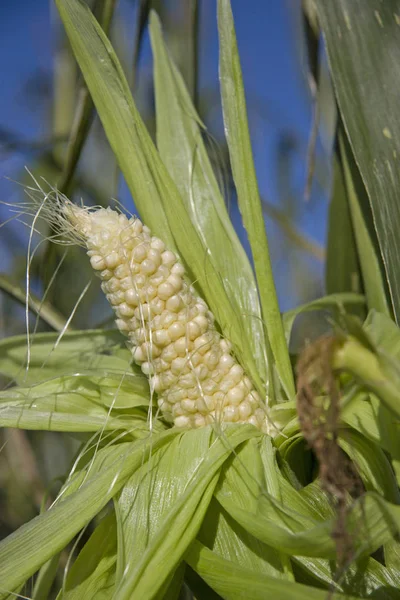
(368, 252)
(364, 54)
(237, 132)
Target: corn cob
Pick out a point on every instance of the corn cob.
(171, 331)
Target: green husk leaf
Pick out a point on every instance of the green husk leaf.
(82, 393)
(24, 551)
(238, 138)
(281, 517)
(98, 383)
(93, 572)
(234, 582)
(372, 464)
(224, 536)
(45, 578)
(77, 351)
(383, 332)
(376, 420)
(183, 517)
(227, 538)
(32, 419)
(180, 143)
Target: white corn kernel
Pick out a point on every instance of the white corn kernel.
(98, 263)
(183, 422)
(176, 331)
(178, 269)
(139, 253)
(174, 303)
(161, 338)
(168, 258)
(157, 244)
(175, 281)
(235, 396)
(245, 411)
(132, 297)
(112, 260)
(165, 291)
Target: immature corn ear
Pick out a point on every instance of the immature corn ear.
(170, 329)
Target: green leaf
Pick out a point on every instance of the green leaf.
(99, 382)
(33, 419)
(45, 578)
(181, 519)
(375, 365)
(342, 270)
(367, 246)
(238, 138)
(82, 393)
(24, 551)
(364, 55)
(76, 351)
(287, 521)
(93, 572)
(361, 412)
(384, 333)
(77, 403)
(223, 535)
(180, 143)
(372, 464)
(234, 582)
(147, 497)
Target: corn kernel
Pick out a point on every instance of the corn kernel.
(165, 291)
(175, 282)
(97, 262)
(235, 396)
(176, 330)
(161, 338)
(174, 303)
(168, 258)
(112, 260)
(132, 297)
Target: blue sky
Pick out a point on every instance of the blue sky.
(278, 102)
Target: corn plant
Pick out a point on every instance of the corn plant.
(212, 463)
